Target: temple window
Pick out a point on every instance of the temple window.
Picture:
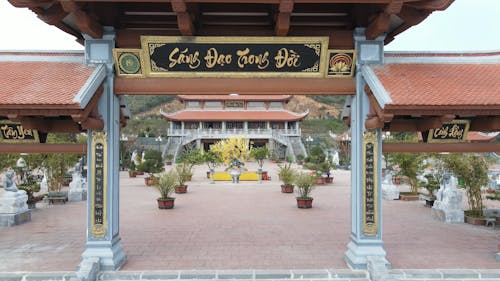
(256, 125)
(213, 104)
(277, 125)
(212, 125)
(193, 104)
(191, 125)
(255, 104)
(234, 125)
(275, 104)
(177, 125)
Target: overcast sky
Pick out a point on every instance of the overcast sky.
(467, 25)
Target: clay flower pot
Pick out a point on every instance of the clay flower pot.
(304, 203)
(181, 189)
(287, 188)
(149, 181)
(165, 203)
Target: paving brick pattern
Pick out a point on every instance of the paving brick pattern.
(244, 226)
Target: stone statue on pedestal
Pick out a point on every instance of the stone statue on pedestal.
(13, 207)
(448, 204)
(389, 190)
(78, 185)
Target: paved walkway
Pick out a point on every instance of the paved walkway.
(244, 226)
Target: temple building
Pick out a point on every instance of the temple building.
(206, 119)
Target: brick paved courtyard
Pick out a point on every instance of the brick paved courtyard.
(244, 226)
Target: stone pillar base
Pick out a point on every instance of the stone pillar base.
(111, 255)
(15, 219)
(356, 255)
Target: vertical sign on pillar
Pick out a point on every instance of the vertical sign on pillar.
(98, 192)
(369, 181)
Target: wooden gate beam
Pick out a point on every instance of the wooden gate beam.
(43, 148)
(218, 86)
(440, 147)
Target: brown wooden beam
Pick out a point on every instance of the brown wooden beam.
(283, 18)
(217, 86)
(184, 20)
(419, 125)
(485, 124)
(85, 23)
(43, 148)
(50, 125)
(30, 3)
(382, 22)
(53, 15)
(441, 147)
(433, 5)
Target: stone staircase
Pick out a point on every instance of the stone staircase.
(172, 147)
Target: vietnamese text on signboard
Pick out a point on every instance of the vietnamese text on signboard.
(15, 133)
(98, 185)
(454, 131)
(369, 182)
(184, 56)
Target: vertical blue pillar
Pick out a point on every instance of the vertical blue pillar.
(103, 228)
(364, 243)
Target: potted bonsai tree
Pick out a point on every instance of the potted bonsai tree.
(152, 164)
(132, 172)
(212, 160)
(431, 186)
(305, 183)
(184, 174)
(287, 176)
(166, 185)
(300, 159)
(169, 157)
(259, 154)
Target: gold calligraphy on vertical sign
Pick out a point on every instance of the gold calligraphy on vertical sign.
(370, 181)
(98, 221)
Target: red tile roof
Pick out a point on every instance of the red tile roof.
(236, 97)
(240, 115)
(40, 84)
(480, 137)
(437, 84)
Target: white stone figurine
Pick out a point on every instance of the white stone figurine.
(389, 190)
(13, 207)
(77, 186)
(448, 204)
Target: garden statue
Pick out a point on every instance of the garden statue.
(78, 185)
(235, 169)
(389, 190)
(13, 207)
(448, 204)
(136, 158)
(44, 186)
(10, 184)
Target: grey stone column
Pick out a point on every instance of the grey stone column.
(106, 249)
(362, 246)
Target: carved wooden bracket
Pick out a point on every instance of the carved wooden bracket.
(184, 19)
(283, 18)
(85, 23)
(381, 23)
